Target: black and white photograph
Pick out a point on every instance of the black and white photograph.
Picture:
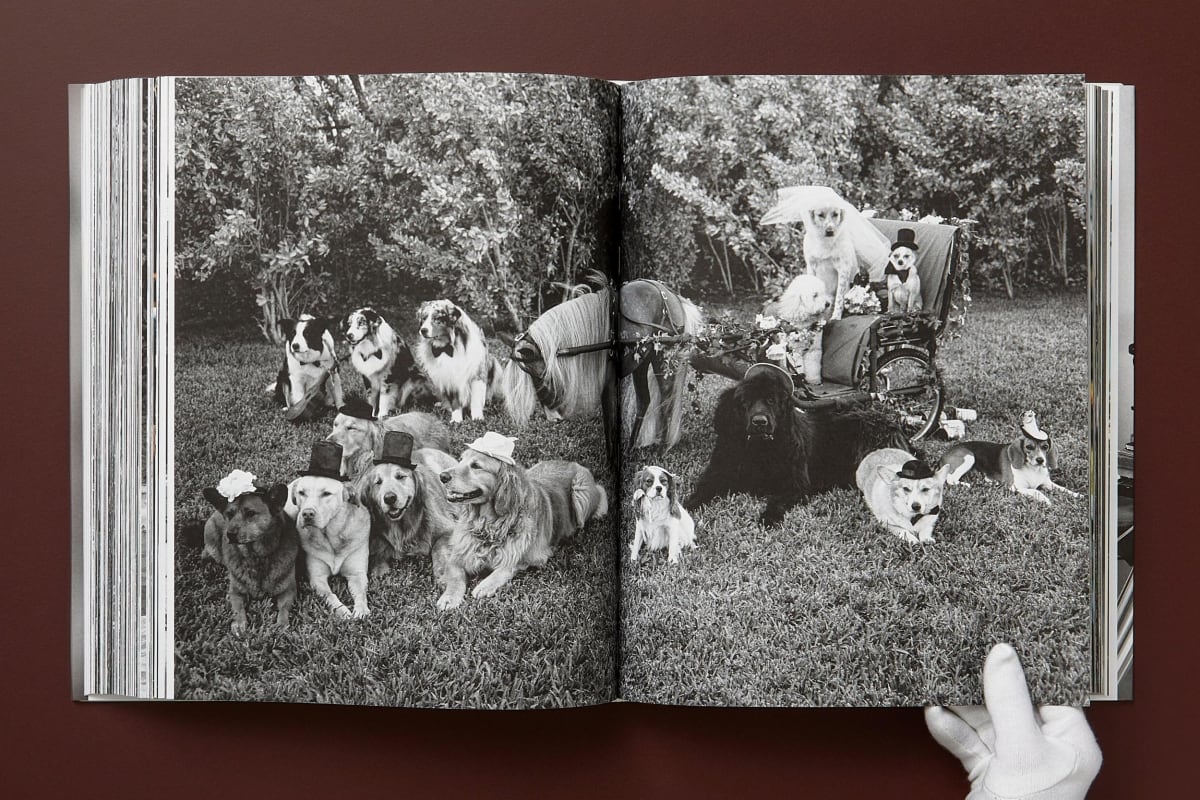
(393, 481)
(881, 462)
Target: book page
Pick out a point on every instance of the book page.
(901, 478)
(354, 256)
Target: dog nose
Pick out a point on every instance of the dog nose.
(916, 506)
(759, 420)
(445, 477)
(390, 498)
(295, 348)
(232, 537)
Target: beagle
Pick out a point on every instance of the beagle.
(1022, 465)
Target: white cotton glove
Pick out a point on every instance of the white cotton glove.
(1011, 751)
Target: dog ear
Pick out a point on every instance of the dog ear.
(638, 497)
(276, 497)
(1016, 453)
(1051, 454)
(673, 494)
(291, 508)
(215, 498)
(507, 498)
(318, 325)
(729, 417)
(287, 327)
(455, 314)
(887, 474)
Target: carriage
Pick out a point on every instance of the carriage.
(882, 356)
(561, 361)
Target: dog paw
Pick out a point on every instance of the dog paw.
(448, 601)
(485, 589)
(360, 612)
(341, 612)
(238, 627)
(379, 570)
(927, 538)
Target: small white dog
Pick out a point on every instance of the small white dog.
(661, 520)
(805, 303)
(903, 281)
(903, 493)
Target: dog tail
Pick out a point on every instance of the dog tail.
(588, 498)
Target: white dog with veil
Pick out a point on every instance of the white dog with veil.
(838, 239)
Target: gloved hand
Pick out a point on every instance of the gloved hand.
(1011, 751)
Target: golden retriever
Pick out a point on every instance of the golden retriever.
(828, 253)
(410, 514)
(361, 437)
(512, 518)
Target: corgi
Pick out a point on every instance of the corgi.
(903, 493)
(1023, 465)
(661, 520)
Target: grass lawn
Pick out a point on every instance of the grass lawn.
(829, 609)
(548, 638)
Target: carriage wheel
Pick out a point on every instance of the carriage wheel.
(907, 381)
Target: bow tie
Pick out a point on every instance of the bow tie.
(902, 274)
(933, 512)
(442, 349)
(377, 354)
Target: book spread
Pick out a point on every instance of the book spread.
(532, 391)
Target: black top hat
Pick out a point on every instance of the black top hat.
(397, 449)
(325, 461)
(906, 237)
(357, 407)
(915, 470)
(764, 367)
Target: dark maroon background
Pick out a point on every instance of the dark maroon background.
(51, 746)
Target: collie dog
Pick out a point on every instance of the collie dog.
(563, 385)
(511, 518)
(383, 359)
(410, 515)
(309, 356)
(453, 355)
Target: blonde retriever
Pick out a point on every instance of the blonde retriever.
(410, 515)
(828, 253)
(334, 534)
(361, 438)
(512, 518)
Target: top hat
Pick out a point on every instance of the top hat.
(906, 237)
(397, 449)
(915, 470)
(325, 462)
(767, 368)
(496, 445)
(357, 407)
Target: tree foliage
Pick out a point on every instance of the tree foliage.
(332, 190)
(704, 156)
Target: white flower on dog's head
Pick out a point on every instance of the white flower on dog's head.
(766, 322)
(236, 484)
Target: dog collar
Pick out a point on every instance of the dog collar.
(933, 512)
(902, 274)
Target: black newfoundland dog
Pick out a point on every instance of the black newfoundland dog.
(769, 448)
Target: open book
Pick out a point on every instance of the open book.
(517, 391)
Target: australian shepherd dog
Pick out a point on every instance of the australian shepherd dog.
(383, 359)
(453, 356)
(512, 518)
